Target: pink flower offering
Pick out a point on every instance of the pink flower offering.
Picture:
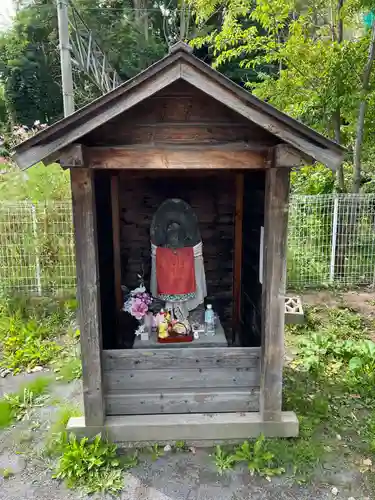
(138, 309)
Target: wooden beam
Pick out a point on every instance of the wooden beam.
(238, 232)
(72, 156)
(201, 81)
(116, 239)
(273, 293)
(83, 196)
(175, 158)
(287, 156)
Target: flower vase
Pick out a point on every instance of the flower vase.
(146, 327)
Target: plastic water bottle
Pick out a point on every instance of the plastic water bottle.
(209, 321)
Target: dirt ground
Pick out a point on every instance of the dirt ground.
(359, 301)
(180, 476)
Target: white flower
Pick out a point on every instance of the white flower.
(36, 123)
(140, 330)
(334, 491)
(140, 289)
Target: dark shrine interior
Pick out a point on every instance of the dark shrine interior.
(214, 197)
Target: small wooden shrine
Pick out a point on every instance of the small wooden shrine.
(181, 168)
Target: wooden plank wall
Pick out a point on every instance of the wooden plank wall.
(190, 380)
(180, 114)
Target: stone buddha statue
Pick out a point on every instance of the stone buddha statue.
(177, 267)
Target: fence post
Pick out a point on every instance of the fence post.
(37, 259)
(334, 238)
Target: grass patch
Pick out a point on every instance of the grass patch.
(29, 329)
(21, 405)
(6, 414)
(69, 369)
(329, 385)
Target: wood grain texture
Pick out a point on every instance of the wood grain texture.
(273, 307)
(158, 359)
(115, 205)
(183, 401)
(72, 156)
(289, 157)
(178, 114)
(193, 378)
(180, 159)
(88, 293)
(126, 132)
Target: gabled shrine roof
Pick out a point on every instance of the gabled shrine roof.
(179, 64)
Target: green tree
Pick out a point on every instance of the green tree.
(29, 65)
(308, 57)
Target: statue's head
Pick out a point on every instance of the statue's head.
(175, 235)
(175, 225)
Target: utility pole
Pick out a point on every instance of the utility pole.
(65, 58)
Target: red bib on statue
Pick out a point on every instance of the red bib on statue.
(175, 272)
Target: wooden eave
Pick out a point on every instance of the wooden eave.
(180, 64)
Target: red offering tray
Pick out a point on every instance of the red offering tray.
(178, 338)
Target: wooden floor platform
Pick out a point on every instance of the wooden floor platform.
(203, 428)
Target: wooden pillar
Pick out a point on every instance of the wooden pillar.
(83, 195)
(238, 232)
(116, 239)
(273, 295)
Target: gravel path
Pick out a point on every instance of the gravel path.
(181, 476)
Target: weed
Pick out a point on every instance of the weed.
(300, 455)
(20, 405)
(55, 437)
(26, 343)
(129, 461)
(330, 386)
(259, 459)
(6, 414)
(6, 473)
(23, 404)
(223, 461)
(38, 386)
(92, 466)
(70, 369)
(180, 446)
(156, 452)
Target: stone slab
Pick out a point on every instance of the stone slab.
(190, 427)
